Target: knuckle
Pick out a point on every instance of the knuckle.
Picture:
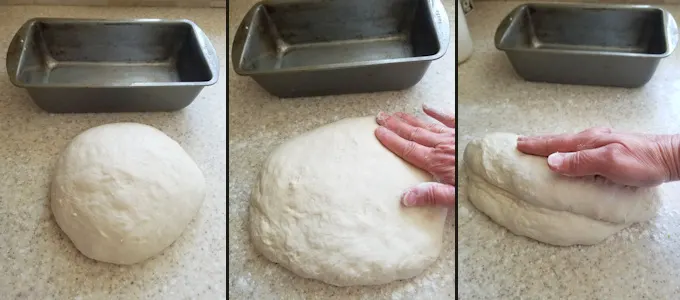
(612, 152)
(415, 133)
(444, 169)
(435, 128)
(598, 130)
(604, 130)
(577, 159)
(409, 150)
(451, 137)
(446, 150)
(444, 155)
(450, 178)
(431, 195)
(546, 144)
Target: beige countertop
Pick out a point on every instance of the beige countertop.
(641, 262)
(258, 122)
(37, 261)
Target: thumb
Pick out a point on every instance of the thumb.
(580, 163)
(430, 193)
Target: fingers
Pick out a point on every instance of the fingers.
(433, 152)
(409, 151)
(447, 119)
(417, 134)
(549, 144)
(430, 193)
(436, 128)
(588, 162)
(546, 145)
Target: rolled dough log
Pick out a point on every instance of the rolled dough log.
(521, 193)
(326, 206)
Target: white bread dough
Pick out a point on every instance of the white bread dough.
(327, 206)
(521, 193)
(123, 192)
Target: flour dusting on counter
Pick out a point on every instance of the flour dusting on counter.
(37, 260)
(258, 122)
(642, 261)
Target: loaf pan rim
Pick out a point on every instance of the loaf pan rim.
(502, 29)
(237, 50)
(199, 35)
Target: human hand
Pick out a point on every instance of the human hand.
(625, 158)
(428, 146)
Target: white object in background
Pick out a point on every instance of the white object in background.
(464, 50)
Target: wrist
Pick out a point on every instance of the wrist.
(670, 152)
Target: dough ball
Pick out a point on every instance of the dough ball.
(521, 193)
(123, 192)
(327, 206)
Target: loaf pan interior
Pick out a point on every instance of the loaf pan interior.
(611, 30)
(323, 33)
(111, 54)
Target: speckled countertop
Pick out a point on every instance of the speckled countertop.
(641, 262)
(37, 261)
(258, 122)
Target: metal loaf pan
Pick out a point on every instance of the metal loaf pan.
(79, 66)
(587, 44)
(324, 47)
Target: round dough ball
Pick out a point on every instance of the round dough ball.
(521, 193)
(123, 192)
(327, 206)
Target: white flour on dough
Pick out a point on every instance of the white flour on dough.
(521, 193)
(327, 206)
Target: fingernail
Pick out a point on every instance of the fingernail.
(425, 106)
(382, 116)
(555, 160)
(409, 198)
(521, 138)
